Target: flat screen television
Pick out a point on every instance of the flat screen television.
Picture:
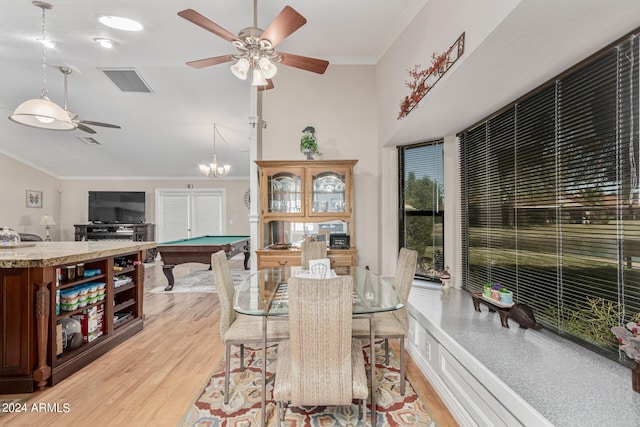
(116, 207)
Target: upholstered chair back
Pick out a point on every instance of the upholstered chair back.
(321, 343)
(405, 271)
(224, 286)
(312, 250)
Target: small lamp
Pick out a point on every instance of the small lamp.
(47, 221)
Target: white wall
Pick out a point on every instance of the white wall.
(341, 106)
(67, 200)
(75, 201)
(15, 179)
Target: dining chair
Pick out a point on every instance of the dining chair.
(318, 271)
(312, 250)
(238, 329)
(395, 324)
(320, 364)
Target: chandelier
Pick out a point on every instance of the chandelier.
(41, 112)
(215, 169)
(256, 55)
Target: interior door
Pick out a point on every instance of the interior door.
(206, 214)
(173, 216)
(182, 214)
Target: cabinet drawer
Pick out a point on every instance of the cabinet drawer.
(271, 259)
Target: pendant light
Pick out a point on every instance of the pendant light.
(215, 169)
(41, 112)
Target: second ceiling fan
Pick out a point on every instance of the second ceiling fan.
(256, 48)
(80, 124)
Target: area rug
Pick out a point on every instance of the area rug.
(244, 407)
(200, 281)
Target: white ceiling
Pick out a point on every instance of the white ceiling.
(169, 132)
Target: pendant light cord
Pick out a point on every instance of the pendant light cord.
(44, 57)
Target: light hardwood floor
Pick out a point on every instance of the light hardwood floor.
(151, 379)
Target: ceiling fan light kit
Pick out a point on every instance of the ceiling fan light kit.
(42, 112)
(241, 68)
(256, 48)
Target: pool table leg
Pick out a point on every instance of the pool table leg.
(247, 254)
(168, 272)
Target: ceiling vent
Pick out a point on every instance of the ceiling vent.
(89, 140)
(127, 79)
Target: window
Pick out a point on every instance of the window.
(551, 203)
(422, 205)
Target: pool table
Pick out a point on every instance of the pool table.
(199, 249)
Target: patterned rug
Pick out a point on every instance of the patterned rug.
(199, 281)
(244, 401)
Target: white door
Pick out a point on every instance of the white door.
(181, 214)
(206, 215)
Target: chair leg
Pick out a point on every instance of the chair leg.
(386, 351)
(402, 374)
(241, 357)
(227, 370)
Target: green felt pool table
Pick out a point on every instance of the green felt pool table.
(199, 249)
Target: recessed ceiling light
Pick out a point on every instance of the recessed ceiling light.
(105, 43)
(120, 23)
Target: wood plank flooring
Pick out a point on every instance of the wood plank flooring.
(151, 379)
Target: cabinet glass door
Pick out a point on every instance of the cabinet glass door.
(329, 192)
(284, 193)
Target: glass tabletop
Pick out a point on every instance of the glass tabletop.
(264, 293)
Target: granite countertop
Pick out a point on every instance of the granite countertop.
(568, 384)
(48, 254)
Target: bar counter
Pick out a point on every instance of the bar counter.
(32, 354)
(48, 254)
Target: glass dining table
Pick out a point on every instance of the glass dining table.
(264, 293)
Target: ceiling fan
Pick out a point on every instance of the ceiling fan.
(256, 47)
(80, 124)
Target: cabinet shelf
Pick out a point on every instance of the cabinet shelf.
(124, 304)
(72, 354)
(123, 288)
(66, 285)
(65, 314)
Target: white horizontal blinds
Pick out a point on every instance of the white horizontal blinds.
(551, 190)
(629, 149)
(588, 193)
(477, 223)
(536, 205)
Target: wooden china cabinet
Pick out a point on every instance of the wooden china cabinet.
(302, 199)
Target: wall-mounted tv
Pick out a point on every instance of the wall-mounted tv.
(116, 207)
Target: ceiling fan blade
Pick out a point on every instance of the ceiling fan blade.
(92, 123)
(207, 62)
(84, 128)
(283, 26)
(203, 22)
(304, 63)
(267, 87)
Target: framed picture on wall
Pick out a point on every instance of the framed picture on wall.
(34, 199)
